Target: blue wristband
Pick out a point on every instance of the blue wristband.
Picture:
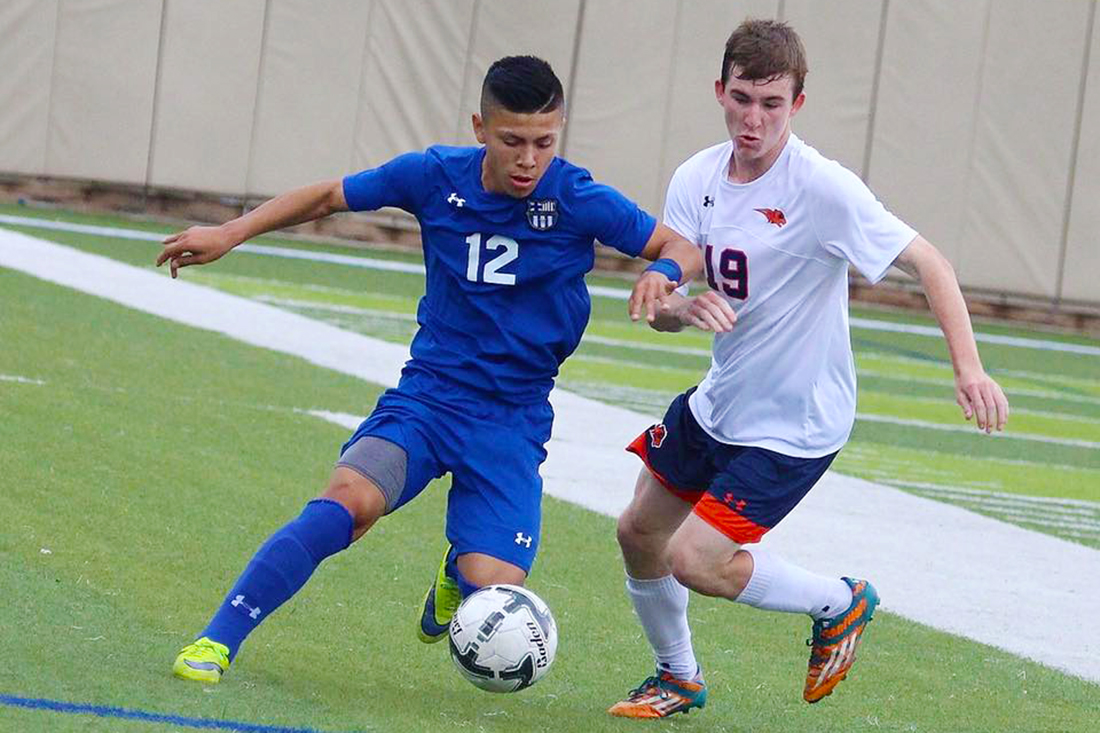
(667, 267)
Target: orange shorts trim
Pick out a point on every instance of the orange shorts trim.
(640, 448)
(728, 522)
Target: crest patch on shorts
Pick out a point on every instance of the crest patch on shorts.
(657, 435)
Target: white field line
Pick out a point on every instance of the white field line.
(949, 384)
(1059, 380)
(618, 293)
(935, 563)
(989, 338)
(1053, 518)
(1045, 503)
(868, 372)
(351, 310)
(867, 417)
(19, 380)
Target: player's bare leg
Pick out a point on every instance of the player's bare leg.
(647, 525)
(709, 562)
(348, 507)
(644, 531)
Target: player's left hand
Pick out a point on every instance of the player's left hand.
(648, 291)
(981, 398)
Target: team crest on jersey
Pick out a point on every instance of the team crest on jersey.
(774, 216)
(657, 435)
(542, 214)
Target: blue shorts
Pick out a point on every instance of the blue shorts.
(492, 449)
(742, 491)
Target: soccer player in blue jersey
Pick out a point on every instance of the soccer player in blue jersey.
(507, 231)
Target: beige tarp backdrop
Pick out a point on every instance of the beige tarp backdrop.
(977, 122)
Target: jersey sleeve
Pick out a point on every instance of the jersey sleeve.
(397, 183)
(612, 218)
(680, 215)
(851, 223)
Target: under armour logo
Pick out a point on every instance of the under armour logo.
(238, 602)
(708, 201)
(454, 199)
(525, 541)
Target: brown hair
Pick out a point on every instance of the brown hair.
(765, 50)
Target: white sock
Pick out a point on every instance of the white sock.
(661, 605)
(777, 585)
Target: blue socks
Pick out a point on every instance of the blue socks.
(279, 569)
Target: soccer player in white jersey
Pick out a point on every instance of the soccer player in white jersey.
(778, 224)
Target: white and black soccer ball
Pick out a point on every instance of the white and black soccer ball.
(503, 638)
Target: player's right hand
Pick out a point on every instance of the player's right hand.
(709, 311)
(194, 246)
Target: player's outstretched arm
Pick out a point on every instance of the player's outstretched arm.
(977, 393)
(200, 245)
(675, 261)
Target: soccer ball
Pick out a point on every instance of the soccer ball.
(503, 638)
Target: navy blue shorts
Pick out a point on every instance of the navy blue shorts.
(492, 449)
(742, 491)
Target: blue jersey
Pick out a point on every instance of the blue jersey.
(505, 301)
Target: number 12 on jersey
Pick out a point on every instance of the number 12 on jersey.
(491, 273)
(733, 268)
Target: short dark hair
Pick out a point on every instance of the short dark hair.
(523, 84)
(765, 50)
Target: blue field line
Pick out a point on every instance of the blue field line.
(106, 711)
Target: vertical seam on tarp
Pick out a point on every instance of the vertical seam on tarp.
(53, 83)
(1075, 146)
(471, 37)
(670, 81)
(876, 82)
(569, 100)
(156, 105)
(256, 107)
(977, 107)
(359, 98)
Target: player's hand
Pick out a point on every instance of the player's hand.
(708, 311)
(195, 246)
(981, 398)
(647, 294)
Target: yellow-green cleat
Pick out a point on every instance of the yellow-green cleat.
(203, 660)
(440, 604)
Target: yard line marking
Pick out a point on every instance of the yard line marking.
(642, 346)
(109, 711)
(351, 310)
(1047, 502)
(949, 384)
(606, 292)
(989, 338)
(867, 417)
(922, 553)
(19, 380)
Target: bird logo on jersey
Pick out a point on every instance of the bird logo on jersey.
(542, 214)
(657, 435)
(774, 216)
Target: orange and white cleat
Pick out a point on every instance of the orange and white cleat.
(835, 641)
(661, 696)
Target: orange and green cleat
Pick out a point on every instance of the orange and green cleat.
(835, 641)
(661, 696)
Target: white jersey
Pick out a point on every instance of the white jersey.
(778, 249)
